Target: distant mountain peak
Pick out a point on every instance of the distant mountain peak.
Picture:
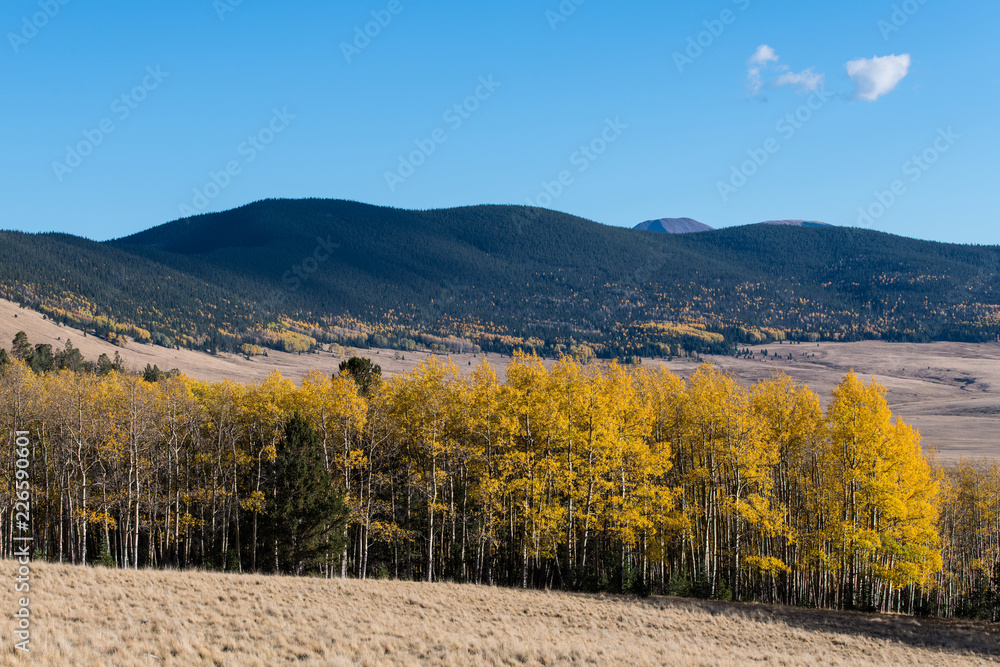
(796, 223)
(673, 226)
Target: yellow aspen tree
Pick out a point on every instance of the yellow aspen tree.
(793, 429)
(379, 447)
(662, 391)
(904, 507)
(884, 483)
(228, 458)
(708, 417)
(632, 464)
(573, 419)
(483, 436)
(128, 412)
(73, 399)
(593, 429)
(745, 463)
(858, 419)
(180, 435)
(263, 411)
(423, 409)
(531, 466)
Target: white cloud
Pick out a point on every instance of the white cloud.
(758, 61)
(761, 61)
(763, 55)
(754, 80)
(806, 80)
(877, 76)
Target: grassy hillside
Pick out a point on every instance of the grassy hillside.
(97, 616)
(502, 276)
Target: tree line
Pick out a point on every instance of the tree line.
(581, 477)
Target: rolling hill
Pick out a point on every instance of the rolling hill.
(290, 274)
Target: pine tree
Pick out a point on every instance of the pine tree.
(70, 358)
(21, 348)
(152, 374)
(305, 514)
(42, 360)
(366, 374)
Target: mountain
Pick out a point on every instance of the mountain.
(291, 274)
(688, 226)
(673, 226)
(796, 223)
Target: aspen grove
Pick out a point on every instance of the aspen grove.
(595, 477)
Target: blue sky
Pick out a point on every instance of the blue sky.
(121, 116)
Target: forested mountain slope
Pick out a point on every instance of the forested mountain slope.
(291, 273)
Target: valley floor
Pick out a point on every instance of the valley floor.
(98, 616)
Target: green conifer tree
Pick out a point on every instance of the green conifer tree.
(305, 513)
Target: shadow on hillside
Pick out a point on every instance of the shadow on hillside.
(948, 635)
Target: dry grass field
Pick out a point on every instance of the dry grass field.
(98, 616)
(949, 391)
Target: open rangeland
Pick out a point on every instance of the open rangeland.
(949, 391)
(98, 616)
